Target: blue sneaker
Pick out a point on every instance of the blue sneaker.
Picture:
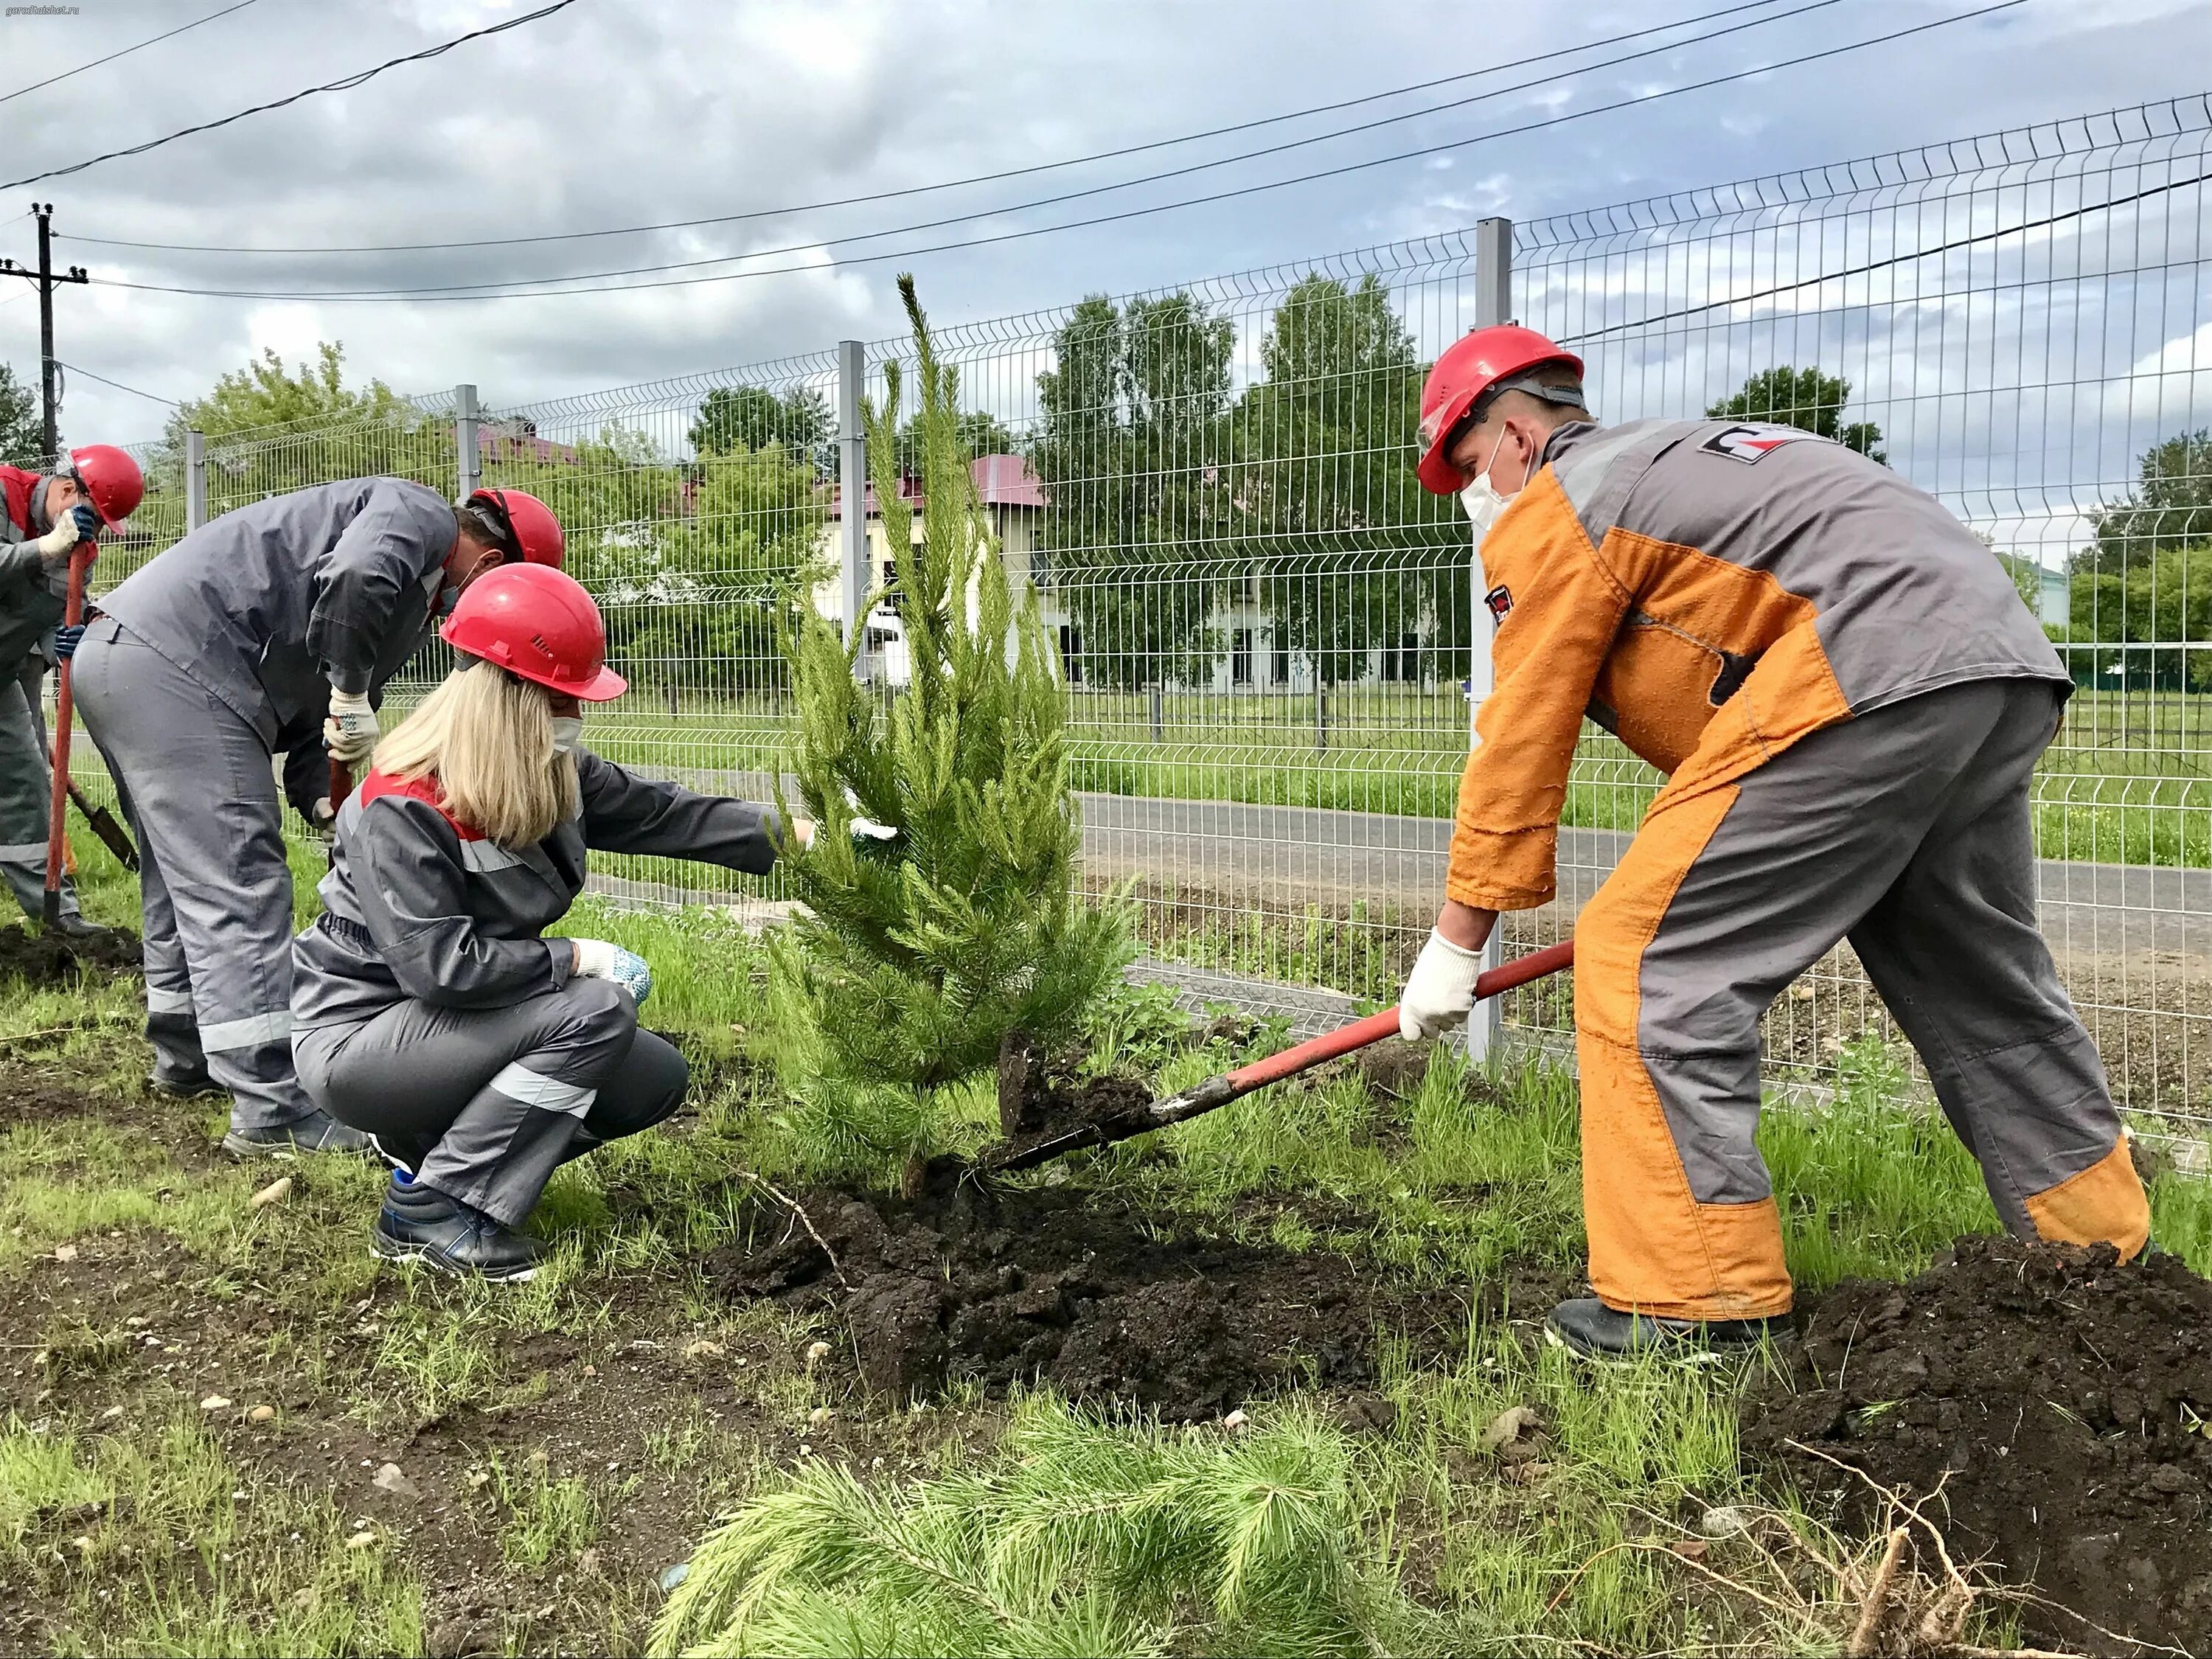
(420, 1223)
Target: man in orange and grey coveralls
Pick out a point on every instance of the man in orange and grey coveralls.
(1849, 700)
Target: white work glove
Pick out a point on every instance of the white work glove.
(868, 828)
(56, 546)
(1439, 991)
(349, 734)
(596, 960)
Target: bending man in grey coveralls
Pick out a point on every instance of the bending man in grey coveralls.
(222, 650)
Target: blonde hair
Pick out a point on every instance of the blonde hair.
(486, 738)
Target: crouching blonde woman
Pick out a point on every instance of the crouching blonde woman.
(427, 1009)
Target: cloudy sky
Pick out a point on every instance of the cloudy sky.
(621, 112)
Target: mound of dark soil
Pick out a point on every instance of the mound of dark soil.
(50, 959)
(2060, 1400)
(1041, 1097)
(1064, 1286)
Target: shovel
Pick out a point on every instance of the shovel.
(64, 703)
(1218, 1091)
(103, 824)
(340, 787)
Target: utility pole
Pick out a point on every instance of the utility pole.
(46, 280)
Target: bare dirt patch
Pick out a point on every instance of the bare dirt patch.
(663, 1418)
(1072, 1288)
(55, 959)
(2054, 1401)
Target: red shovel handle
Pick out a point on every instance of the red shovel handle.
(64, 703)
(1375, 1027)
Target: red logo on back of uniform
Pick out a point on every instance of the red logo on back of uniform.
(1753, 443)
(1499, 600)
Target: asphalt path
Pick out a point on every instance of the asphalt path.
(1292, 856)
(1289, 855)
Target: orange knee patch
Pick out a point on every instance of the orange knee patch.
(2105, 1204)
(1652, 1246)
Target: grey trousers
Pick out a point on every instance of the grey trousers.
(26, 791)
(216, 888)
(484, 1103)
(1907, 830)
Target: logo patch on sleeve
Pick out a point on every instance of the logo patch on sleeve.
(1749, 444)
(1498, 600)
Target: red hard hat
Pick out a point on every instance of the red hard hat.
(538, 623)
(537, 531)
(1467, 369)
(111, 481)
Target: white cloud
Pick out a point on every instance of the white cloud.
(622, 111)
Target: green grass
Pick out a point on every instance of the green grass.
(2128, 781)
(159, 1543)
(1030, 1527)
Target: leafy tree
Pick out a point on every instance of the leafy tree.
(980, 434)
(2171, 507)
(271, 430)
(735, 417)
(690, 563)
(22, 434)
(1343, 539)
(912, 959)
(2163, 599)
(1806, 399)
(1129, 449)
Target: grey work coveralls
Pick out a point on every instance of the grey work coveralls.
(429, 1012)
(29, 610)
(1849, 700)
(216, 655)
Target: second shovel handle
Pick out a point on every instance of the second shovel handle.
(1375, 1028)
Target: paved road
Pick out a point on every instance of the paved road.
(1296, 854)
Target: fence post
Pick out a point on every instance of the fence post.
(1493, 304)
(194, 479)
(851, 489)
(468, 463)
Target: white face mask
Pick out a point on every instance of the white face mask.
(1483, 499)
(1483, 504)
(567, 732)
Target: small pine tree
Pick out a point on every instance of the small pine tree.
(914, 957)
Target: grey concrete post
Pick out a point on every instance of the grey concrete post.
(468, 464)
(851, 489)
(194, 479)
(1493, 304)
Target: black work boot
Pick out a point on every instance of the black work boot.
(182, 1085)
(420, 1223)
(1590, 1328)
(318, 1132)
(72, 924)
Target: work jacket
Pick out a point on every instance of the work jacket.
(419, 905)
(29, 608)
(1710, 592)
(270, 605)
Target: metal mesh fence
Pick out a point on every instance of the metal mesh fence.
(1265, 624)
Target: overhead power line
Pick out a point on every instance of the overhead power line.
(452, 295)
(149, 396)
(151, 40)
(977, 179)
(1085, 193)
(1868, 267)
(345, 85)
